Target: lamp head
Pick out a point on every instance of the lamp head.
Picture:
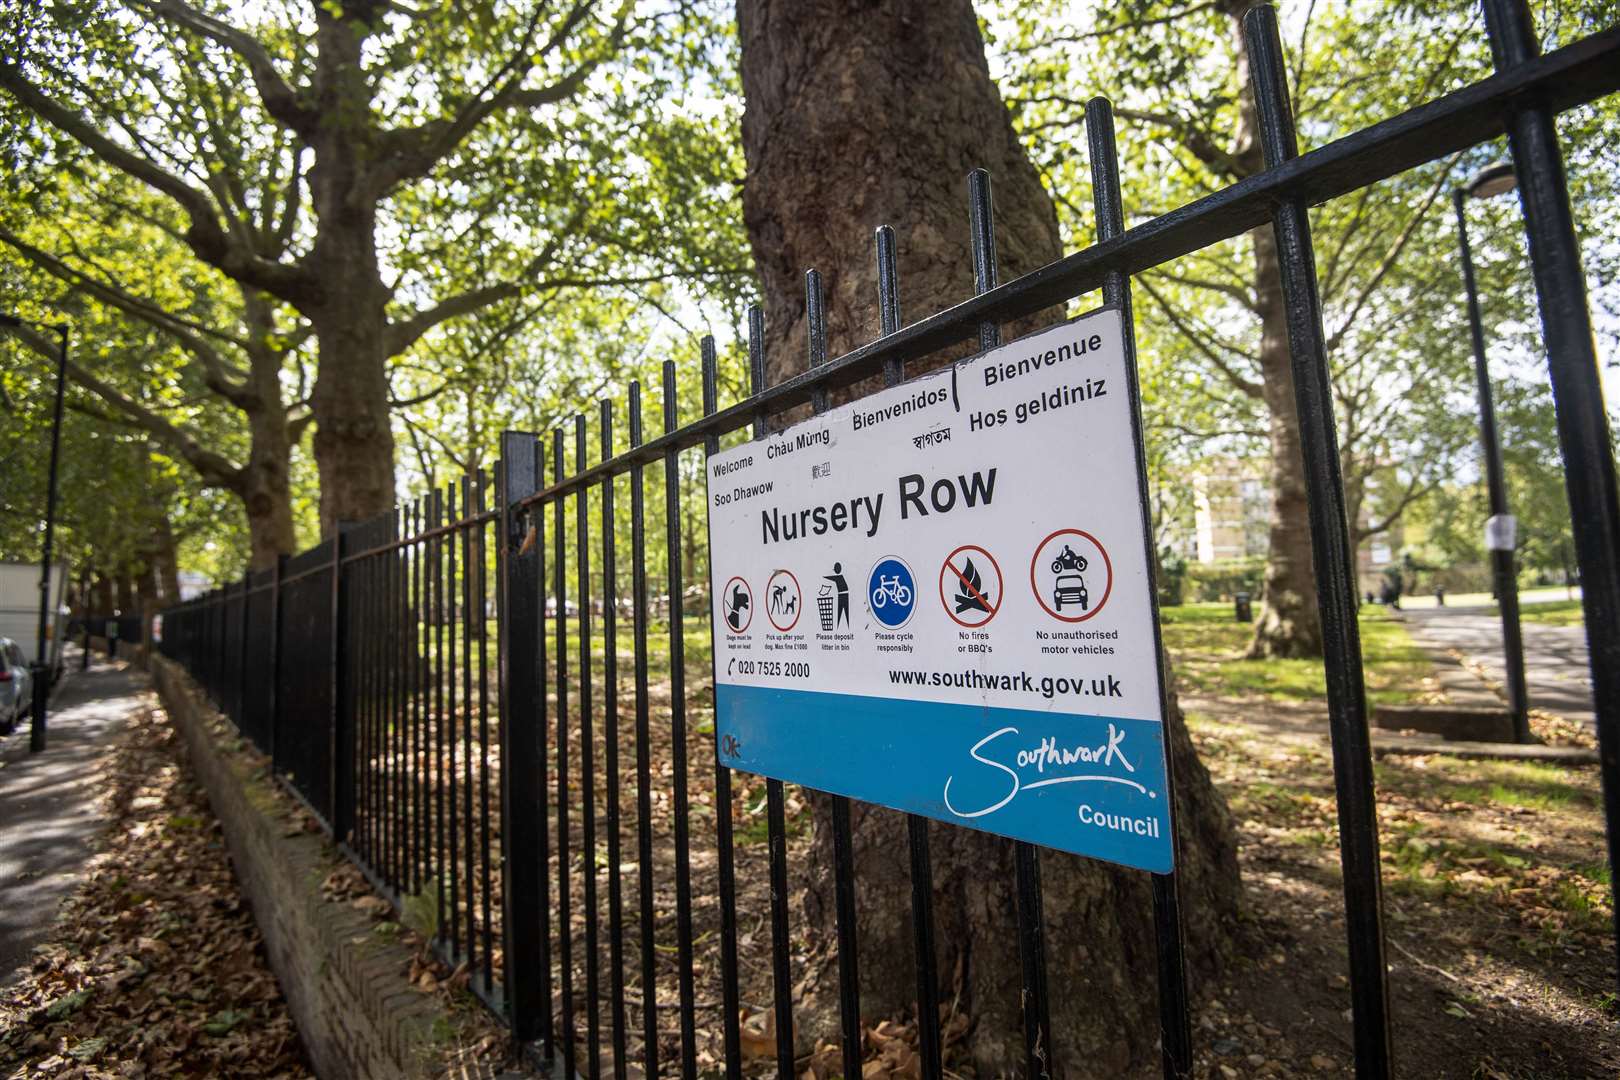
(1492, 180)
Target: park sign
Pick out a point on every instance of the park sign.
(937, 598)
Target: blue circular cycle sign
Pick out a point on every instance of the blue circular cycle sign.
(891, 591)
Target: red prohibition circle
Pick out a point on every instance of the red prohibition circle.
(743, 629)
(1001, 583)
(798, 609)
(1108, 565)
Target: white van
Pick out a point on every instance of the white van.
(19, 610)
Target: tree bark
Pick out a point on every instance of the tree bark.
(858, 115)
(354, 442)
(1290, 624)
(264, 484)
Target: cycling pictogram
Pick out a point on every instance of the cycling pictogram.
(785, 600)
(891, 590)
(970, 586)
(1071, 575)
(737, 604)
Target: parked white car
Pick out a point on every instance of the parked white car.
(16, 686)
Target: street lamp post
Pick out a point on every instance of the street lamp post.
(1500, 528)
(42, 666)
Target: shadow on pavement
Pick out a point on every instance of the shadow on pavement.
(49, 817)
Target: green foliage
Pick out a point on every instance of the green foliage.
(1451, 521)
(1224, 579)
(1172, 579)
(1386, 256)
(555, 197)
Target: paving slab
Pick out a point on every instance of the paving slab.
(1556, 669)
(1409, 746)
(49, 818)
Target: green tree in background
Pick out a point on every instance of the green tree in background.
(422, 164)
(235, 342)
(1214, 344)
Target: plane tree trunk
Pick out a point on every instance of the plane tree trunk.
(859, 115)
(354, 443)
(1289, 624)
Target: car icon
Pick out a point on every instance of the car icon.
(1070, 589)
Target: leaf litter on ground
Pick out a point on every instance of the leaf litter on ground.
(154, 966)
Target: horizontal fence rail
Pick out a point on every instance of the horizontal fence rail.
(505, 745)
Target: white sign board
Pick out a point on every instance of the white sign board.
(1501, 532)
(937, 598)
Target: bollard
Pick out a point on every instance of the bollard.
(1242, 609)
(42, 696)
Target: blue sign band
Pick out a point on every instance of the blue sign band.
(1093, 785)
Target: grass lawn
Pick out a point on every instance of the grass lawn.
(1553, 613)
(1206, 645)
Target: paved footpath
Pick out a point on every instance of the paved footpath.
(1555, 663)
(48, 813)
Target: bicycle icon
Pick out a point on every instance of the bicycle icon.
(892, 589)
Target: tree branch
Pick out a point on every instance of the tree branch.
(280, 100)
(215, 370)
(1392, 255)
(402, 334)
(1414, 491)
(205, 237)
(215, 469)
(411, 153)
(1241, 295)
(1246, 386)
(1197, 141)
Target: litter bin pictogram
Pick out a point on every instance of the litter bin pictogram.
(824, 606)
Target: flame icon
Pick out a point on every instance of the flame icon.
(970, 594)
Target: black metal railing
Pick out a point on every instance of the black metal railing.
(364, 666)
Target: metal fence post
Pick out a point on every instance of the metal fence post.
(521, 737)
(1335, 563)
(1175, 1025)
(273, 708)
(240, 711)
(340, 727)
(1583, 426)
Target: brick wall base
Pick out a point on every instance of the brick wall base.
(346, 984)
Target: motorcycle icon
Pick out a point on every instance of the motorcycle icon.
(1068, 560)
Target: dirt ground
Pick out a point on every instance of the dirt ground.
(1499, 932)
(1496, 901)
(1497, 917)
